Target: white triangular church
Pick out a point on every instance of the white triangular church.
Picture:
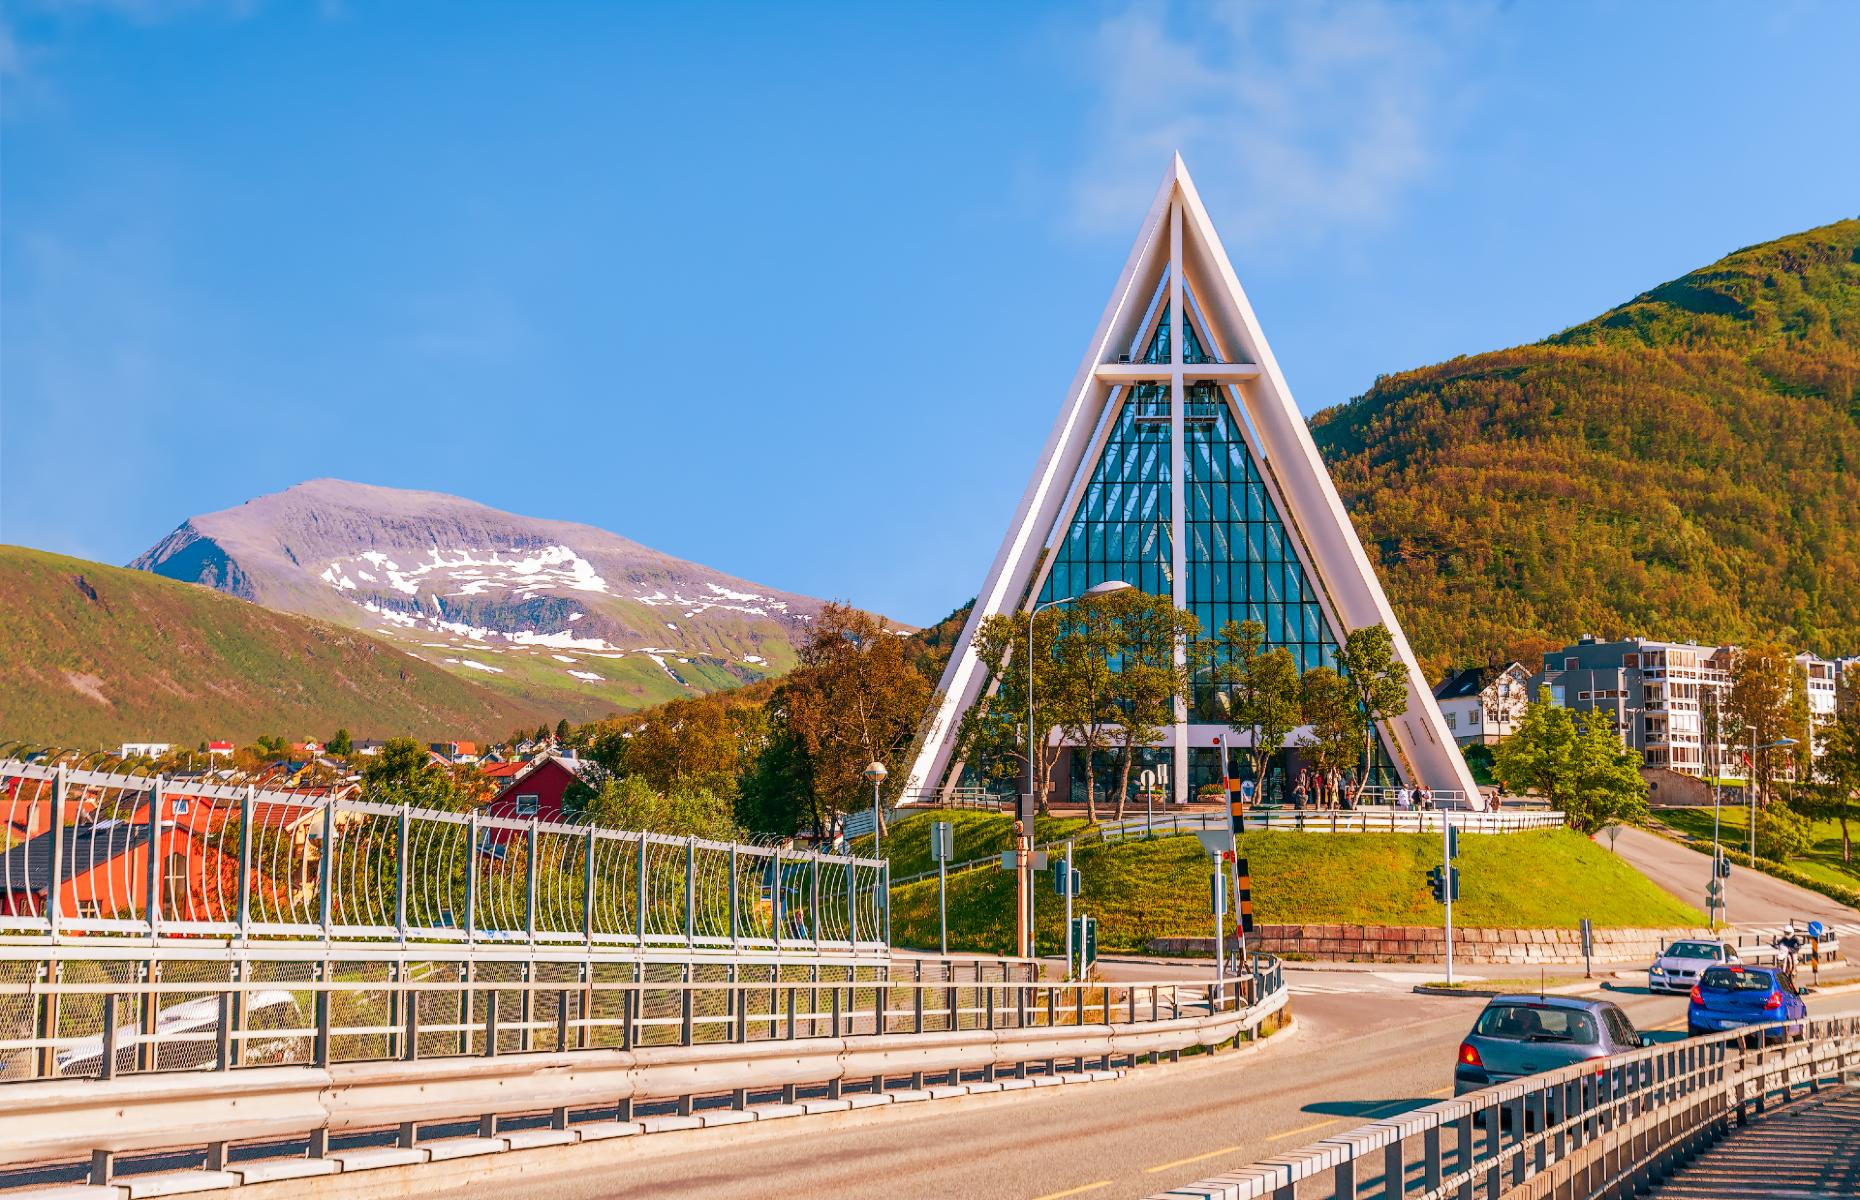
(1180, 464)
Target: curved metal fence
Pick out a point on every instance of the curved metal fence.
(114, 854)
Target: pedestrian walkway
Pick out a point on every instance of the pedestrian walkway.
(1807, 1151)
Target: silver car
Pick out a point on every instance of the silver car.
(1523, 1035)
(1679, 966)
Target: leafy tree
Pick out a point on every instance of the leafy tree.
(1327, 703)
(854, 699)
(341, 744)
(1367, 660)
(1580, 767)
(1783, 833)
(562, 731)
(993, 731)
(541, 734)
(1262, 690)
(1839, 767)
(776, 794)
(1153, 671)
(684, 810)
(1083, 670)
(703, 741)
(1767, 703)
(405, 773)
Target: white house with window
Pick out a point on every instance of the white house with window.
(1482, 704)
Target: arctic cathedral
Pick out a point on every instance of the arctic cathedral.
(1180, 465)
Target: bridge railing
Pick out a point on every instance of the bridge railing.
(179, 1067)
(1604, 1128)
(102, 854)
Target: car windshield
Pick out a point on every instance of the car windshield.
(1693, 950)
(1728, 979)
(1535, 1023)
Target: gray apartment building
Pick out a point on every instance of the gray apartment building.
(1660, 696)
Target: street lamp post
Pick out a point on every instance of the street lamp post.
(1780, 743)
(1024, 843)
(876, 773)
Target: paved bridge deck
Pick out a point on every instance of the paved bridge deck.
(1808, 1151)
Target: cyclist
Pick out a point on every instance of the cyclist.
(1788, 943)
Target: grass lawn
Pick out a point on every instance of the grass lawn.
(978, 835)
(1143, 890)
(1823, 860)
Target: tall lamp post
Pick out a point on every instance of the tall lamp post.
(876, 773)
(1778, 744)
(1096, 589)
(1024, 841)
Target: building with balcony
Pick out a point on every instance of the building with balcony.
(1662, 697)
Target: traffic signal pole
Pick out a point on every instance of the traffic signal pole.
(1446, 870)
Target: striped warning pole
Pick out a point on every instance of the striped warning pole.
(1243, 893)
(1236, 803)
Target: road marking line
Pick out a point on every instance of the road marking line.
(1304, 1129)
(1082, 1188)
(1193, 1158)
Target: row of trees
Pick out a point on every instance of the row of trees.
(1111, 672)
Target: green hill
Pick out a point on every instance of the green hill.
(1684, 466)
(95, 654)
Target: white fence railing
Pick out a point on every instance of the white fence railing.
(105, 854)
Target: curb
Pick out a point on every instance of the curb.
(1562, 989)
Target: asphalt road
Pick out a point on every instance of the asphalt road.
(1364, 1047)
(1752, 898)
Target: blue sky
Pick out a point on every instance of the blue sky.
(795, 290)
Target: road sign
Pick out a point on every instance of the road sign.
(1714, 889)
(1038, 858)
(1216, 841)
(942, 841)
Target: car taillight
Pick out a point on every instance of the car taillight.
(1698, 997)
(1469, 1054)
(1774, 1002)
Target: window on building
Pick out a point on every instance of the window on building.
(527, 805)
(1472, 718)
(1630, 660)
(1452, 723)
(1569, 664)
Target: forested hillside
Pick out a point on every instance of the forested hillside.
(1684, 466)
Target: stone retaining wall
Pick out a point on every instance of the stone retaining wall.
(1416, 943)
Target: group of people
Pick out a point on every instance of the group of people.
(1414, 797)
(1324, 789)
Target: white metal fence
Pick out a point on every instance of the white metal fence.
(114, 854)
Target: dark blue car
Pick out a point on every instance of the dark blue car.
(1732, 997)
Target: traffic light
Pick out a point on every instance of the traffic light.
(1439, 880)
(1453, 842)
(1724, 866)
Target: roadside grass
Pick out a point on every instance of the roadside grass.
(978, 834)
(1822, 862)
(1142, 890)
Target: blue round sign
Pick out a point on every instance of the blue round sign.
(1815, 930)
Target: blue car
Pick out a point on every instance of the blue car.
(1732, 997)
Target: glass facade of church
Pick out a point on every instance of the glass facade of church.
(1241, 561)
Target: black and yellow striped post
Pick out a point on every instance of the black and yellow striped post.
(1243, 898)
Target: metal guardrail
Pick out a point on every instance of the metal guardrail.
(1604, 1128)
(148, 858)
(347, 1055)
